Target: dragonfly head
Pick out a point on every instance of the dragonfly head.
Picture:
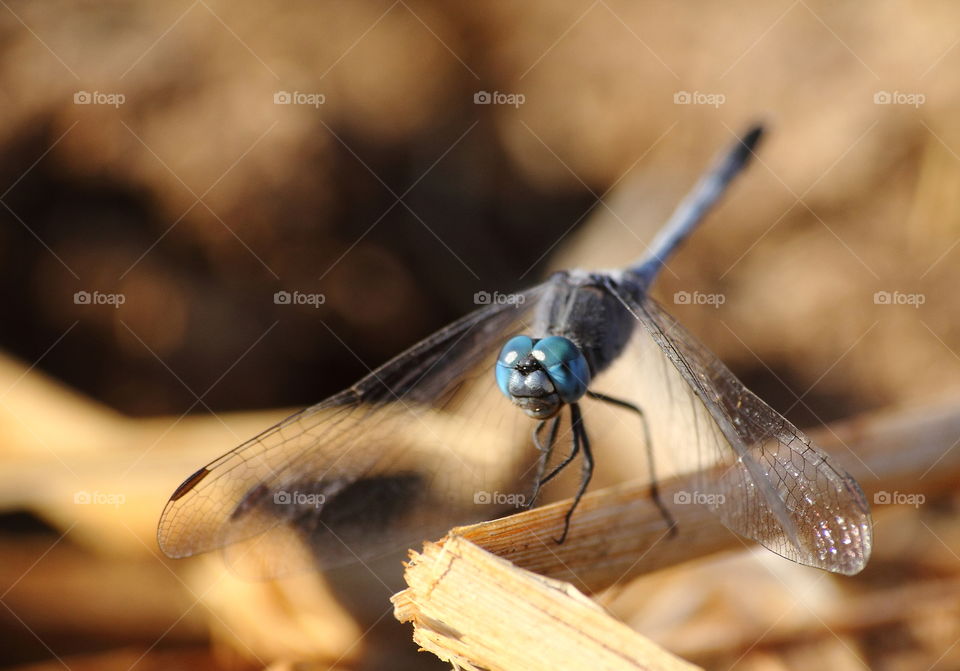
(541, 376)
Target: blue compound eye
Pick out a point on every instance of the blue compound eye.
(566, 366)
(516, 349)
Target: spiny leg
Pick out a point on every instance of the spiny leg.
(580, 441)
(566, 461)
(654, 487)
(545, 452)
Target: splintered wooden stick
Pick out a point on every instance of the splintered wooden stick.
(478, 611)
(618, 533)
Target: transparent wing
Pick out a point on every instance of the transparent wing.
(423, 443)
(762, 476)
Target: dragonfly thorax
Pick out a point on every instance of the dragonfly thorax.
(541, 376)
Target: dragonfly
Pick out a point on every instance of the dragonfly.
(470, 423)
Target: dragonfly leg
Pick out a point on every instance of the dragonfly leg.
(654, 487)
(566, 460)
(580, 441)
(545, 452)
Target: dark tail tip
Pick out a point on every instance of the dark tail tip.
(747, 144)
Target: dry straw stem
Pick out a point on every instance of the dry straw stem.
(478, 611)
(618, 533)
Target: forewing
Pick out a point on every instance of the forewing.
(423, 443)
(763, 477)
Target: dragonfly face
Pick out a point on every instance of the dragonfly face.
(541, 376)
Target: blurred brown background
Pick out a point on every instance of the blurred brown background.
(147, 152)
